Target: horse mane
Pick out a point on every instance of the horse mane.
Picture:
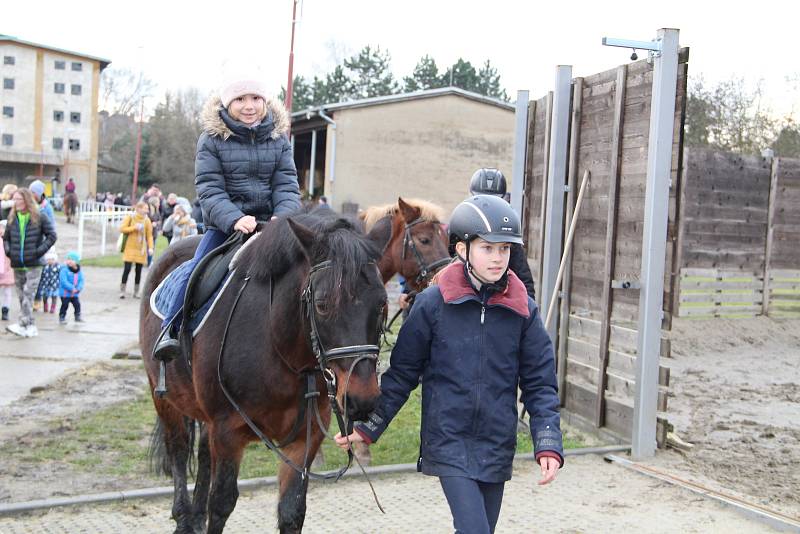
(429, 212)
(277, 250)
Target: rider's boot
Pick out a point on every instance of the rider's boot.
(168, 347)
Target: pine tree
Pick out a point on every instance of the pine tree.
(489, 82)
(425, 76)
(462, 75)
(370, 75)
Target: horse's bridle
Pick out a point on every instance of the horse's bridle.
(425, 270)
(359, 352)
(325, 356)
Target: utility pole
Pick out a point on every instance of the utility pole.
(289, 83)
(138, 155)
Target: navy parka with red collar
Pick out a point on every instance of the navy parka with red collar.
(472, 350)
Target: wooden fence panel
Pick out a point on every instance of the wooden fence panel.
(597, 335)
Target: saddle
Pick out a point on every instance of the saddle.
(204, 282)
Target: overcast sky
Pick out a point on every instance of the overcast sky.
(181, 44)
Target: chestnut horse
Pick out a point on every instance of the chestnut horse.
(70, 206)
(301, 314)
(411, 238)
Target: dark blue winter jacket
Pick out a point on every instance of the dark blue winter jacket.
(472, 350)
(242, 170)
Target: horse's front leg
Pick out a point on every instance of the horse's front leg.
(293, 486)
(227, 448)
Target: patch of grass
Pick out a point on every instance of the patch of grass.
(115, 259)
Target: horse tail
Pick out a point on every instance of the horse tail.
(158, 455)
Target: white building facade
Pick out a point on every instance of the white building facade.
(49, 121)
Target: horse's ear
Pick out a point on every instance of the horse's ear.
(409, 212)
(304, 235)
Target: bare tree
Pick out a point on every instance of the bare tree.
(122, 90)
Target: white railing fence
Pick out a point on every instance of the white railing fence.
(96, 213)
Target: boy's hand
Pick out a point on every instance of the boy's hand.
(549, 469)
(246, 224)
(342, 442)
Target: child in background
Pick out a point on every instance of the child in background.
(71, 284)
(6, 276)
(49, 283)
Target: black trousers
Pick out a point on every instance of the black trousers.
(127, 270)
(65, 302)
(475, 505)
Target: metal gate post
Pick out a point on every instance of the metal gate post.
(556, 179)
(520, 142)
(654, 242)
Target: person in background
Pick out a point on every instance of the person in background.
(138, 246)
(179, 225)
(5, 200)
(27, 238)
(6, 276)
(488, 181)
(197, 215)
(49, 281)
(69, 187)
(37, 188)
(167, 209)
(70, 287)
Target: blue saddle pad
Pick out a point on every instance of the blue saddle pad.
(169, 288)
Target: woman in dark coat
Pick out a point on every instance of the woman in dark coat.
(27, 238)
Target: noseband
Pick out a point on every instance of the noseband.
(425, 270)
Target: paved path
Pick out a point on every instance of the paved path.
(589, 495)
(111, 326)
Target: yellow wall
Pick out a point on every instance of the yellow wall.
(426, 148)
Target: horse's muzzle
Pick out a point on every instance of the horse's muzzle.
(359, 408)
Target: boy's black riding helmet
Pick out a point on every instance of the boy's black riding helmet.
(488, 182)
(486, 216)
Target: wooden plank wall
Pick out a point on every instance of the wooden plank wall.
(739, 229)
(597, 335)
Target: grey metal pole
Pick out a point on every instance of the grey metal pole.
(654, 242)
(556, 179)
(520, 146)
(312, 167)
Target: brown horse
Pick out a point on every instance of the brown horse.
(70, 206)
(301, 314)
(411, 238)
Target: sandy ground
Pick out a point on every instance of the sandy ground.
(736, 396)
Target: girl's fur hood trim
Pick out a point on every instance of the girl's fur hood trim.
(213, 124)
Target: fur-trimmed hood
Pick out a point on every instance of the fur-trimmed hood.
(215, 126)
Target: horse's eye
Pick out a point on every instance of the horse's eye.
(425, 241)
(321, 306)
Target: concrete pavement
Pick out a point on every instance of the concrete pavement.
(110, 327)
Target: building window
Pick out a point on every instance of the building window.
(58, 143)
(59, 88)
(8, 111)
(9, 60)
(75, 117)
(74, 144)
(76, 89)
(76, 66)
(8, 83)
(8, 139)
(61, 65)
(58, 116)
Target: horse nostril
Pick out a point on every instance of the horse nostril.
(358, 409)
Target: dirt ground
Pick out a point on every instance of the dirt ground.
(735, 396)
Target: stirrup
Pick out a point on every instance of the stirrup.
(167, 347)
(161, 387)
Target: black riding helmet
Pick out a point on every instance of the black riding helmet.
(486, 216)
(488, 182)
